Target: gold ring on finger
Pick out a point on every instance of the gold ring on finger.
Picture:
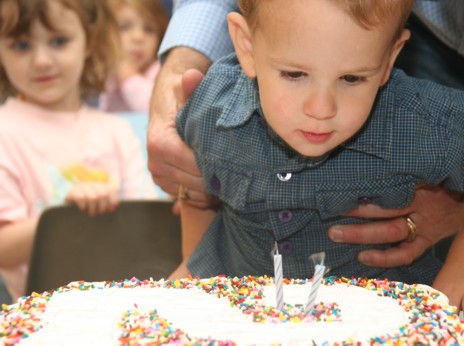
(412, 229)
(183, 193)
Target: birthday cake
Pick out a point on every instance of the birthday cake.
(232, 311)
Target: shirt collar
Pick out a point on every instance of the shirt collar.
(376, 136)
(243, 103)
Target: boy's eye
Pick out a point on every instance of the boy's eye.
(292, 75)
(351, 79)
(58, 41)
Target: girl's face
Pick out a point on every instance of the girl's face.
(139, 38)
(46, 66)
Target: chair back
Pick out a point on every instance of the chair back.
(140, 239)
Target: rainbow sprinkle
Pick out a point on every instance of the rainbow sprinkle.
(18, 321)
(148, 328)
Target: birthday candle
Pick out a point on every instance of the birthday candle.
(317, 279)
(278, 278)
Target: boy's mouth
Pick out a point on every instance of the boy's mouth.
(313, 137)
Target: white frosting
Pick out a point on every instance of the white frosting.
(91, 317)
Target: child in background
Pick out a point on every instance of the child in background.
(307, 121)
(142, 24)
(53, 148)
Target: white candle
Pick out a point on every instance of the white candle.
(317, 279)
(278, 280)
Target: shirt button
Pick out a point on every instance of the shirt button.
(215, 183)
(284, 176)
(285, 216)
(286, 247)
(364, 200)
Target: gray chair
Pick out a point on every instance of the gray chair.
(140, 239)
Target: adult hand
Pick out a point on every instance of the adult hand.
(437, 213)
(170, 161)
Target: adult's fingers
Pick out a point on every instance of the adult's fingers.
(376, 232)
(200, 200)
(171, 162)
(403, 254)
(169, 176)
(437, 213)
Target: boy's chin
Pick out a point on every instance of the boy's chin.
(313, 153)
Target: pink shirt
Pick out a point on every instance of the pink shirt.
(44, 153)
(131, 95)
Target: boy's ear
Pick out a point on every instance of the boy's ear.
(395, 50)
(241, 38)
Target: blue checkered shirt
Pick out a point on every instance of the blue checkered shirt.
(270, 193)
(201, 25)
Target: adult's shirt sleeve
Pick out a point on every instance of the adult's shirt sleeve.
(445, 18)
(200, 25)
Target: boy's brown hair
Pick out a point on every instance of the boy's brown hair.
(366, 13)
(99, 25)
(152, 11)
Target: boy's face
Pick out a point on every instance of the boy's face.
(318, 71)
(139, 39)
(45, 67)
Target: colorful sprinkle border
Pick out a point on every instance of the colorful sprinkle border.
(431, 323)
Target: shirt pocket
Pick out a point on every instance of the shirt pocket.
(230, 183)
(336, 198)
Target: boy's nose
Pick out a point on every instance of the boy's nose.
(320, 104)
